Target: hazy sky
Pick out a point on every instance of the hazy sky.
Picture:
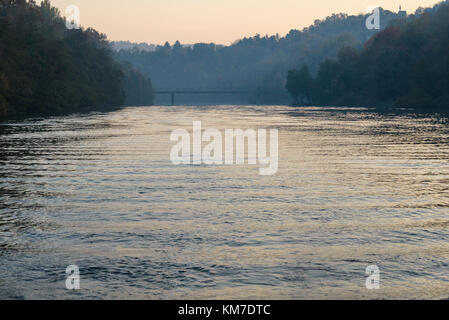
(219, 21)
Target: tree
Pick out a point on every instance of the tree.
(300, 84)
(3, 92)
(258, 63)
(47, 69)
(404, 65)
(138, 89)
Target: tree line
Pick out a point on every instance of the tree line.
(257, 63)
(405, 65)
(46, 68)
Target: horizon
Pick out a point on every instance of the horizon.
(148, 23)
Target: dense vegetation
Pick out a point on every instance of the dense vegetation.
(257, 63)
(138, 89)
(405, 65)
(46, 68)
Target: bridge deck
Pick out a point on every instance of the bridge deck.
(199, 91)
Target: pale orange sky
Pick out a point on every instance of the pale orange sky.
(219, 21)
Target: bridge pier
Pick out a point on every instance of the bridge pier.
(199, 91)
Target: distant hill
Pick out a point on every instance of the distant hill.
(257, 63)
(126, 45)
(142, 46)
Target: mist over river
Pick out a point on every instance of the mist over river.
(354, 188)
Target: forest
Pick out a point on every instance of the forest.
(405, 65)
(46, 68)
(258, 63)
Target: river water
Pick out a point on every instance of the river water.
(354, 188)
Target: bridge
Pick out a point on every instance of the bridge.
(174, 92)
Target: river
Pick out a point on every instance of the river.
(354, 188)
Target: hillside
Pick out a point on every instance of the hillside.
(406, 65)
(257, 63)
(46, 68)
